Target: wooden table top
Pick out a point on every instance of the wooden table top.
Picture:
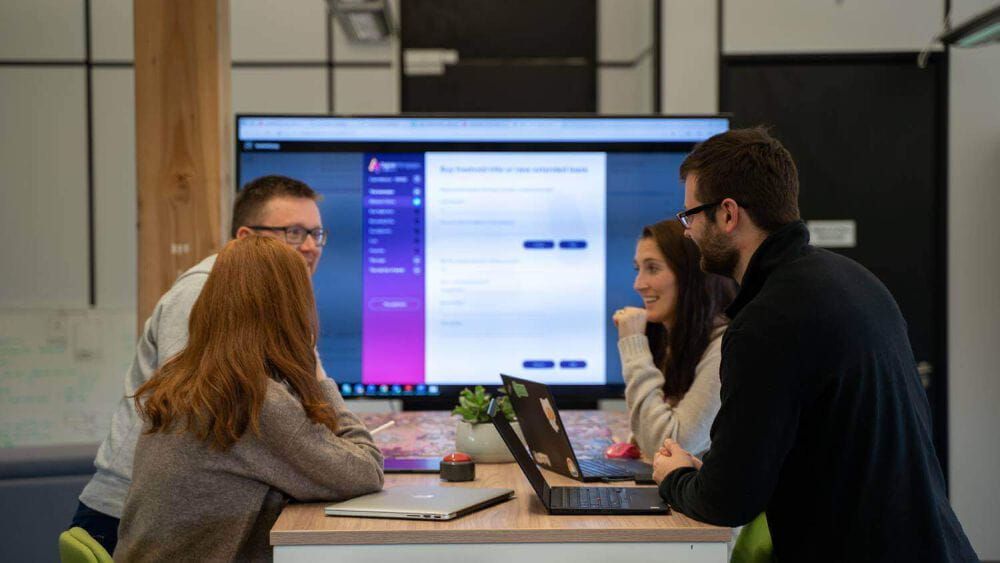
(432, 433)
(522, 519)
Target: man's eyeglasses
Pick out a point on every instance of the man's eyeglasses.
(296, 235)
(685, 216)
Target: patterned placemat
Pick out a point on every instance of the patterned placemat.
(432, 433)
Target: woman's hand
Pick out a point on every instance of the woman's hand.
(630, 320)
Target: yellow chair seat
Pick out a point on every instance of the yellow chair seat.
(753, 545)
(77, 546)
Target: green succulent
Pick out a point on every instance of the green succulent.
(472, 405)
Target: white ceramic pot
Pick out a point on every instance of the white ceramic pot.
(483, 443)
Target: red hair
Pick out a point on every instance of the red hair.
(255, 320)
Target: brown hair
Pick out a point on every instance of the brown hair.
(751, 167)
(256, 194)
(255, 320)
(701, 300)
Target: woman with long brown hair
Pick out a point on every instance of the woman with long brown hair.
(242, 420)
(671, 348)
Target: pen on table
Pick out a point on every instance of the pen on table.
(382, 427)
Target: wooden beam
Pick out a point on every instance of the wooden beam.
(183, 137)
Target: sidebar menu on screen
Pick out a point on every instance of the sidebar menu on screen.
(393, 320)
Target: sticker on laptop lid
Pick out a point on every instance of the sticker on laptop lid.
(518, 389)
(550, 413)
(572, 467)
(542, 459)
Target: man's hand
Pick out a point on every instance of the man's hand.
(630, 320)
(672, 456)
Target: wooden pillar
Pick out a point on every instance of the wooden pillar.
(184, 137)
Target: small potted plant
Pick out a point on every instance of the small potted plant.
(475, 434)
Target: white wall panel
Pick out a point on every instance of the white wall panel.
(973, 291)
(41, 29)
(111, 32)
(625, 90)
(625, 34)
(279, 90)
(366, 90)
(829, 26)
(624, 29)
(689, 57)
(115, 211)
(278, 30)
(43, 198)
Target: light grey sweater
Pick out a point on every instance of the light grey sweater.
(164, 335)
(189, 502)
(654, 419)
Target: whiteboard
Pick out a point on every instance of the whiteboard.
(62, 373)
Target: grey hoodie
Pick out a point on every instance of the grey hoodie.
(165, 335)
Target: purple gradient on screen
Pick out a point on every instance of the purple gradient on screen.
(392, 348)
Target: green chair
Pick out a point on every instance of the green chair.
(753, 545)
(77, 546)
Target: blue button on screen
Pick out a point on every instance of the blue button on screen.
(573, 364)
(573, 244)
(539, 244)
(538, 364)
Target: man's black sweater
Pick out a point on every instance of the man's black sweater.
(824, 424)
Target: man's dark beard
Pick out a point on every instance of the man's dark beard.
(717, 257)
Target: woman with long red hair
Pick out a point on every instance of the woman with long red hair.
(243, 419)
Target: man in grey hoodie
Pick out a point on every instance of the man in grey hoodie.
(272, 206)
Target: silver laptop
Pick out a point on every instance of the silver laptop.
(420, 503)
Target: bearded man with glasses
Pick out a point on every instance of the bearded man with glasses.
(823, 423)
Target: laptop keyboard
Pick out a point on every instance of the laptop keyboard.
(594, 497)
(598, 468)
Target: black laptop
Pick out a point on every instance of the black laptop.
(576, 500)
(546, 436)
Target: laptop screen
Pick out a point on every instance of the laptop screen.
(542, 425)
(516, 448)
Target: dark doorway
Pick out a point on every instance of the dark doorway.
(869, 136)
(516, 56)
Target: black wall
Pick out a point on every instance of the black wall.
(868, 133)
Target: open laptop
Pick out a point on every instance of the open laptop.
(576, 500)
(420, 503)
(545, 434)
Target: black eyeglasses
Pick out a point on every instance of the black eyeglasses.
(684, 216)
(295, 234)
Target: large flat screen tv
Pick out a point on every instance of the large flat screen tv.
(463, 247)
